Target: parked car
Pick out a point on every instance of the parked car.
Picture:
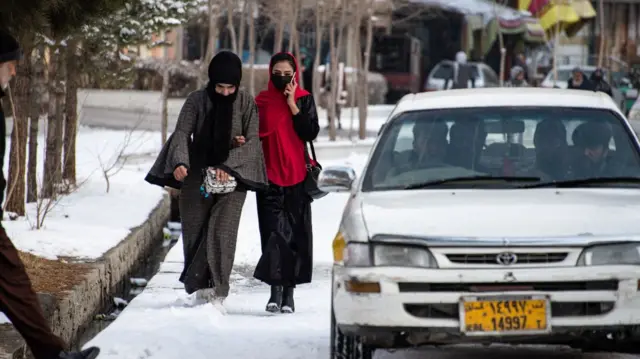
(484, 75)
(456, 233)
(564, 74)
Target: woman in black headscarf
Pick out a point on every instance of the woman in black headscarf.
(214, 156)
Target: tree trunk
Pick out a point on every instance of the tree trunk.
(166, 76)
(252, 47)
(293, 19)
(71, 114)
(277, 45)
(17, 153)
(320, 22)
(331, 103)
(214, 15)
(230, 5)
(602, 32)
(242, 34)
(364, 107)
(52, 159)
(39, 97)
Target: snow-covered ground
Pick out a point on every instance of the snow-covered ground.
(89, 221)
(164, 323)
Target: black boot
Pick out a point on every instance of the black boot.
(275, 301)
(288, 305)
(89, 353)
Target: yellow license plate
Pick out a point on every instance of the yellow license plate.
(504, 315)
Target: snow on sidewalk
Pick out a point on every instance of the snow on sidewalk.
(164, 323)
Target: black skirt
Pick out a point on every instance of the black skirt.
(284, 216)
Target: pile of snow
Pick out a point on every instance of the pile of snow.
(90, 221)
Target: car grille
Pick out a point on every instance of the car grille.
(558, 309)
(523, 258)
(603, 285)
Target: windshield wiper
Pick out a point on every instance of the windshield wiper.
(471, 179)
(585, 181)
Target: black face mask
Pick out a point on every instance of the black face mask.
(280, 82)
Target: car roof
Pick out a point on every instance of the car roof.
(505, 97)
(571, 67)
(469, 62)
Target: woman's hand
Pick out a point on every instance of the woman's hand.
(180, 173)
(222, 176)
(239, 141)
(290, 92)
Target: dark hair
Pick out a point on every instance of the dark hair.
(283, 56)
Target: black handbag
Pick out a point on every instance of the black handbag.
(313, 172)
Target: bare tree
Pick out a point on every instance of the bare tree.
(603, 33)
(363, 73)
(243, 26)
(230, 6)
(253, 6)
(119, 158)
(71, 113)
(335, 49)
(53, 154)
(321, 20)
(164, 124)
(39, 98)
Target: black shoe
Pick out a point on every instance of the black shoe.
(90, 353)
(288, 305)
(275, 301)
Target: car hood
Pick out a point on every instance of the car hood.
(510, 213)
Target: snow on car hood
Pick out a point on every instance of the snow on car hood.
(503, 213)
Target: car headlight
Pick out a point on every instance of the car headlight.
(367, 255)
(610, 254)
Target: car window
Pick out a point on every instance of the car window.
(444, 71)
(549, 143)
(490, 76)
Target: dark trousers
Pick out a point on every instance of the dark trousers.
(20, 304)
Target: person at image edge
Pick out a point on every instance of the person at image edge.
(18, 300)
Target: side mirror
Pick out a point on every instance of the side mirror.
(336, 179)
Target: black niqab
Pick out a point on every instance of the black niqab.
(214, 142)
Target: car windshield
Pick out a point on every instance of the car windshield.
(502, 147)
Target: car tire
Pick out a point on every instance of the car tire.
(345, 346)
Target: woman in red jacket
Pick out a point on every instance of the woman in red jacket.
(288, 119)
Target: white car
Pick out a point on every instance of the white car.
(490, 215)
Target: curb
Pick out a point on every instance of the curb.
(73, 313)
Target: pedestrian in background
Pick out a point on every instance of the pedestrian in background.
(18, 300)
(214, 171)
(462, 75)
(288, 120)
(517, 78)
(578, 81)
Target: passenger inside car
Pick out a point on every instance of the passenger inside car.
(429, 148)
(593, 158)
(466, 143)
(552, 151)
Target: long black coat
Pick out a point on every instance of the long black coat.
(284, 217)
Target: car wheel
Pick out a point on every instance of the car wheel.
(347, 346)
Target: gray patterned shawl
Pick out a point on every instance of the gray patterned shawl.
(246, 162)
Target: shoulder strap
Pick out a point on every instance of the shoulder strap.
(306, 152)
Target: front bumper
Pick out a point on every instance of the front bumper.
(582, 298)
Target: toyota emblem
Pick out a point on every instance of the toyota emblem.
(507, 258)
